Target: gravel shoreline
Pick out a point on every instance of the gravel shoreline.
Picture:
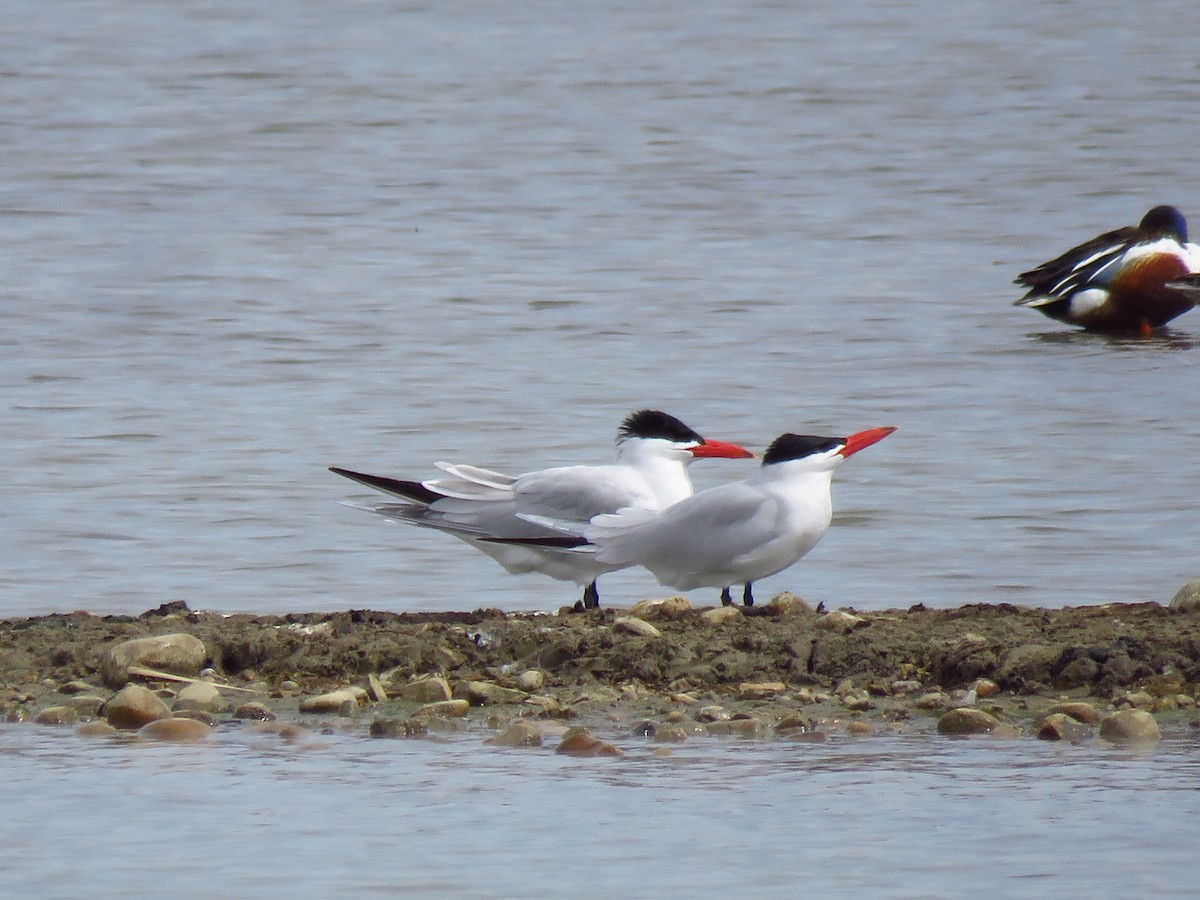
(595, 682)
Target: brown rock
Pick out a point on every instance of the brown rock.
(179, 654)
(670, 734)
(531, 681)
(343, 702)
(445, 708)
(722, 615)
(175, 729)
(669, 608)
(1130, 726)
(482, 693)
(375, 686)
(985, 687)
(57, 715)
(740, 726)
(1061, 727)
(86, 704)
(254, 710)
(98, 728)
(794, 722)
(424, 690)
(580, 742)
(519, 734)
(1077, 710)
(634, 625)
(76, 687)
(786, 604)
(200, 695)
(840, 621)
(967, 720)
(1187, 599)
(398, 728)
(134, 706)
(760, 690)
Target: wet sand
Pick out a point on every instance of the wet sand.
(662, 668)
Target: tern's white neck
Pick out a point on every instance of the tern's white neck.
(662, 465)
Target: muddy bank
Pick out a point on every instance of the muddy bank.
(777, 661)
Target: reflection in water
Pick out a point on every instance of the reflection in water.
(1164, 339)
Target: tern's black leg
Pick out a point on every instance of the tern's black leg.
(726, 600)
(591, 597)
(747, 596)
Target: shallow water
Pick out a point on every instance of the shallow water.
(344, 816)
(244, 244)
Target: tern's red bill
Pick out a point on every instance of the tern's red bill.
(864, 439)
(720, 450)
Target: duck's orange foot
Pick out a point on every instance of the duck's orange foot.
(1146, 329)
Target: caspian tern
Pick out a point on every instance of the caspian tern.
(731, 534)
(487, 509)
(1131, 279)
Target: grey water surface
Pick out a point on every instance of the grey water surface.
(246, 241)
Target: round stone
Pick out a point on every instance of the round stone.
(967, 720)
(1130, 726)
(175, 729)
(531, 680)
(201, 695)
(57, 715)
(1187, 599)
(180, 654)
(134, 706)
(519, 734)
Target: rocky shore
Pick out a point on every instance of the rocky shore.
(599, 682)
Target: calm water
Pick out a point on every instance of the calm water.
(886, 817)
(244, 243)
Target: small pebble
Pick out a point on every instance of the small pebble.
(839, 621)
(531, 681)
(669, 608)
(633, 625)
(721, 615)
(985, 687)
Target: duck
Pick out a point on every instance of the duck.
(1130, 280)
